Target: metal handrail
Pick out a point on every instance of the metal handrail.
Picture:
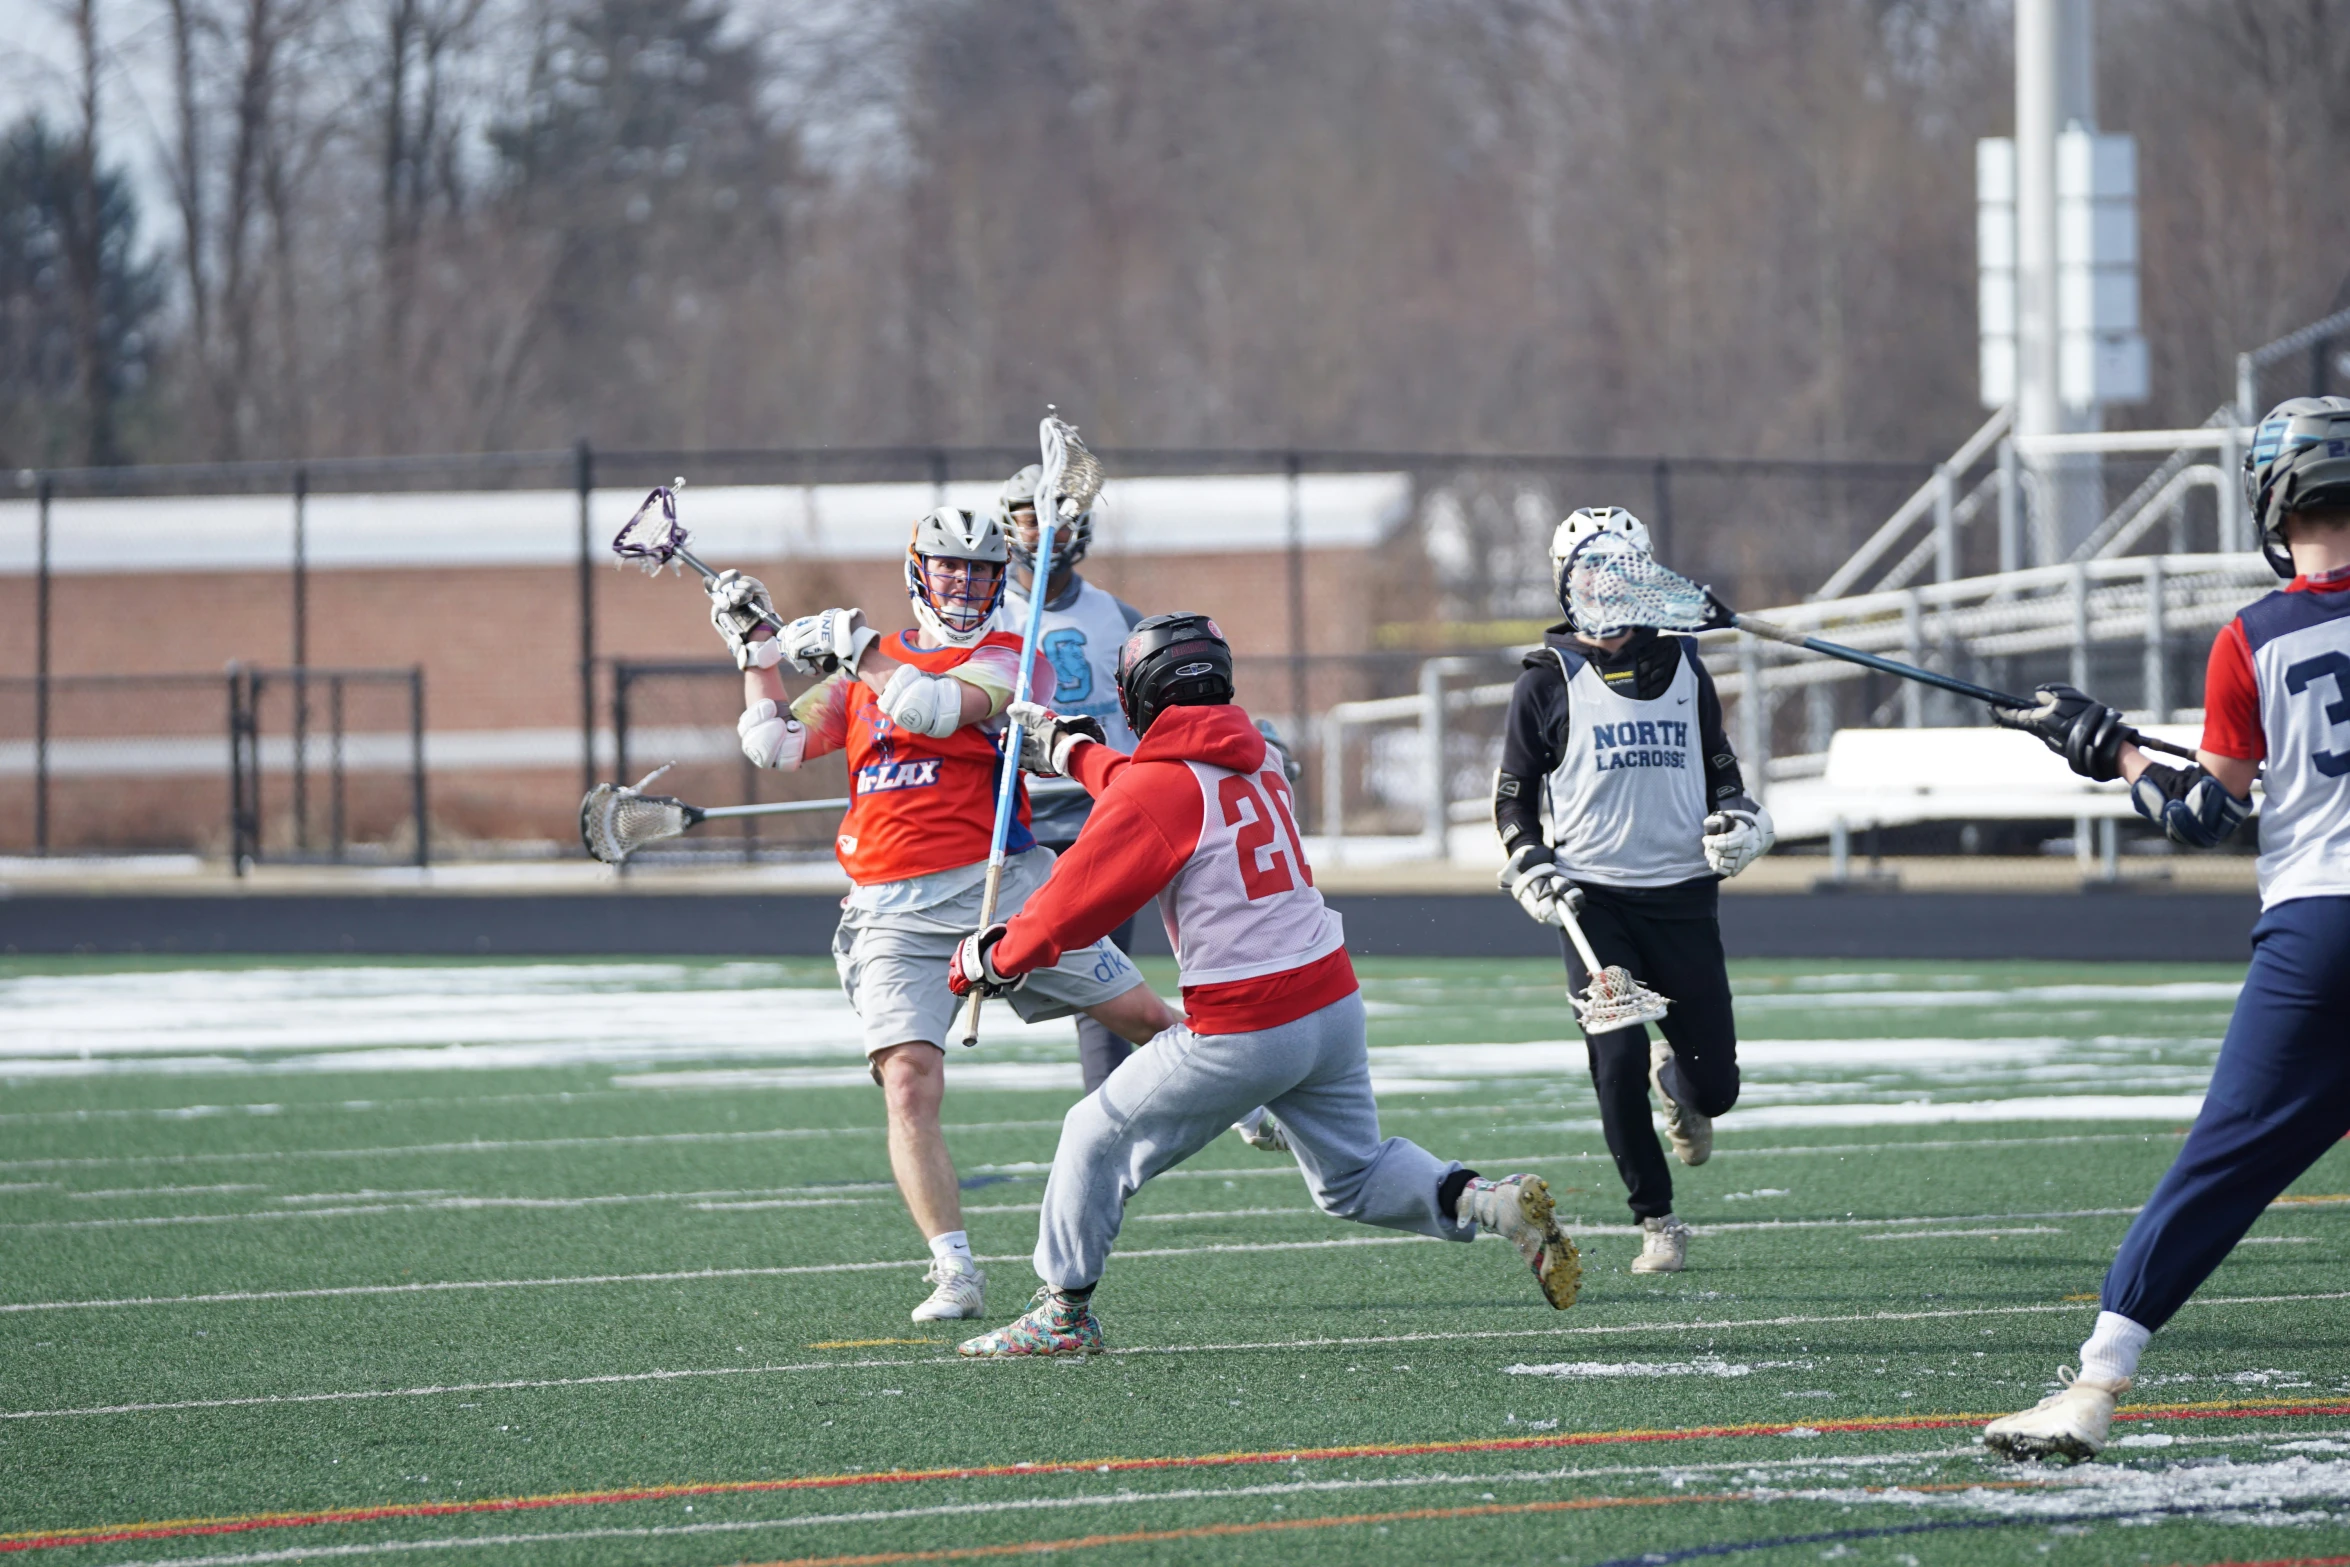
(1920, 502)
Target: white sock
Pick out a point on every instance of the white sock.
(2111, 1354)
(954, 1247)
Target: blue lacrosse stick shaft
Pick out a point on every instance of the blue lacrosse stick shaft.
(1048, 516)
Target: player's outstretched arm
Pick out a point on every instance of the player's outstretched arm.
(2200, 807)
(1138, 837)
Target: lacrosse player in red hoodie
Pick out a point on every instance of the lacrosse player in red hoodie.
(1201, 818)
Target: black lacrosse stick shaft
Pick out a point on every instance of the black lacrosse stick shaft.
(1966, 688)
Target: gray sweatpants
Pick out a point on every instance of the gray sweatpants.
(1177, 1094)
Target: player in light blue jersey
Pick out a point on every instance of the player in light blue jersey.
(1084, 626)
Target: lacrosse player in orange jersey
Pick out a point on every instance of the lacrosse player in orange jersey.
(918, 714)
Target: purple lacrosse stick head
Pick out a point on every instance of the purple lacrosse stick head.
(653, 536)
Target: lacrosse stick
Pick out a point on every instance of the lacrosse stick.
(1613, 999)
(654, 538)
(1615, 584)
(1070, 479)
(616, 820)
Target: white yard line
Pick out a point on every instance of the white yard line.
(639, 1139)
(1365, 1341)
(442, 1286)
(479, 1145)
(1123, 1497)
(1937, 1235)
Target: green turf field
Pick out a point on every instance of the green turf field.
(587, 1263)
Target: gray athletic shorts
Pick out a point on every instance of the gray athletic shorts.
(894, 966)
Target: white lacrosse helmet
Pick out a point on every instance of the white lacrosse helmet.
(1071, 539)
(1584, 525)
(955, 606)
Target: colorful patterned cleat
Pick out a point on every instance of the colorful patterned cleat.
(1518, 1208)
(1053, 1325)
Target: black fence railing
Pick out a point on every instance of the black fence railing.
(126, 763)
(310, 733)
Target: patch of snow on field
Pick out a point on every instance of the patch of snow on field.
(1703, 1366)
(2276, 1491)
(417, 1017)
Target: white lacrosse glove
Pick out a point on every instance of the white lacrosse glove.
(1737, 837)
(1533, 878)
(771, 739)
(923, 704)
(828, 641)
(740, 609)
(1047, 740)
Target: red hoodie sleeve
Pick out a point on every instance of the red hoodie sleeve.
(1141, 833)
(1098, 766)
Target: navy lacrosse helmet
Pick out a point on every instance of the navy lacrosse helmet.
(2299, 460)
(1179, 660)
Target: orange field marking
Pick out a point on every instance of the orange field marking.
(246, 1523)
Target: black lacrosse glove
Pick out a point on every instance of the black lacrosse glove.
(2076, 726)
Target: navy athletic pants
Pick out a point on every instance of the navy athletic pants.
(2279, 1097)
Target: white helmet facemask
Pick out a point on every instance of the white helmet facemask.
(955, 574)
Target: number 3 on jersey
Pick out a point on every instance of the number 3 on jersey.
(1265, 866)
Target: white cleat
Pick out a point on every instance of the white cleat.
(1664, 1246)
(1260, 1131)
(2070, 1423)
(1692, 1134)
(961, 1292)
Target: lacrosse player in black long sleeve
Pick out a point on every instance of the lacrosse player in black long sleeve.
(1618, 729)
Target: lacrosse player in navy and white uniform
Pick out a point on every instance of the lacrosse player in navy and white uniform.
(1619, 729)
(2276, 705)
(1200, 817)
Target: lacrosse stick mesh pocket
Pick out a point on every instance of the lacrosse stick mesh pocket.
(653, 536)
(615, 821)
(1616, 1000)
(1613, 586)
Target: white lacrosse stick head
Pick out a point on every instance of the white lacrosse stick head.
(1069, 470)
(616, 820)
(1613, 1000)
(1610, 585)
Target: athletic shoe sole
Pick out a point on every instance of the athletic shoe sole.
(1562, 1279)
(2031, 1449)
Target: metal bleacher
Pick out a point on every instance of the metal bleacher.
(2120, 608)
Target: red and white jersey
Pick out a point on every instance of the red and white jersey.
(918, 805)
(2277, 691)
(1201, 818)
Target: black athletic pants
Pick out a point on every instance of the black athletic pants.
(1671, 940)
